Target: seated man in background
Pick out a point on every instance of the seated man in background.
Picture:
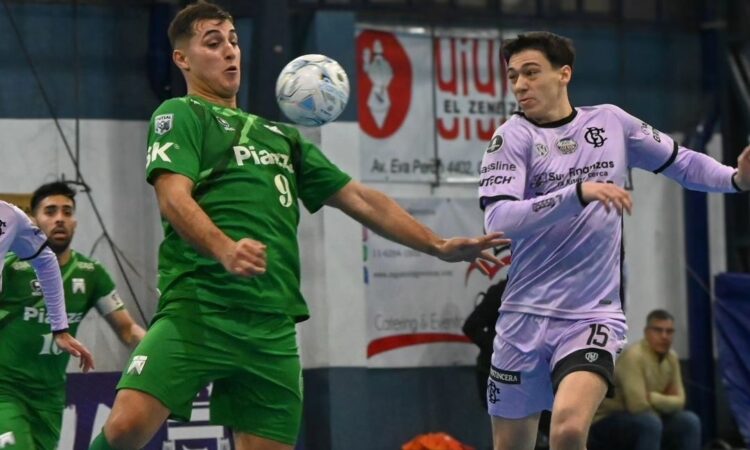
(648, 410)
(32, 366)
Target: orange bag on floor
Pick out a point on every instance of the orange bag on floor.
(435, 441)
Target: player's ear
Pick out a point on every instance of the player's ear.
(566, 72)
(180, 59)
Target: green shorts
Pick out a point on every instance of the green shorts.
(251, 358)
(18, 420)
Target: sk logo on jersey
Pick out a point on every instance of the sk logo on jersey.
(162, 124)
(36, 288)
(136, 365)
(594, 136)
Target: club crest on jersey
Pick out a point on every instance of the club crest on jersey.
(591, 356)
(541, 150)
(3, 225)
(567, 146)
(224, 124)
(163, 124)
(595, 136)
(495, 144)
(79, 286)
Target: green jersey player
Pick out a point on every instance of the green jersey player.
(32, 366)
(228, 184)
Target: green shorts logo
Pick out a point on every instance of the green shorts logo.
(136, 364)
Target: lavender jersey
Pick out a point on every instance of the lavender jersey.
(20, 236)
(567, 255)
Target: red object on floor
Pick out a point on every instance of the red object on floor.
(435, 441)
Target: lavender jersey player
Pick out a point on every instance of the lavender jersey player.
(567, 256)
(562, 308)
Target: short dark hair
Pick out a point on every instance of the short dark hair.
(49, 189)
(182, 26)
(659, 314)
(558, 50)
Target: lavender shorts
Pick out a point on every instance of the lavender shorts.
(532, 354)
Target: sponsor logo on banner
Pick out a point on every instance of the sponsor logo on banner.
(385, 82)
(163, 124)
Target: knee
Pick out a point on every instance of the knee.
(124, 433)
(649, 424)
(568, 435)
(687, 422)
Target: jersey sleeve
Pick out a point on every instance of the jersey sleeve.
(504, 165)
(27, 240)
(647, 148)
(652, 150)
(175, 139)
(105, 295)
(319, 178)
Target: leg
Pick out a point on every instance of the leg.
(514, 434)
(626, 431)
(577, 399)
(682, 431)
(15, 429)
(244, 441)
(135, 418)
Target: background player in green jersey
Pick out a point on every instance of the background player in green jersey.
(32, 367)
(228, 185)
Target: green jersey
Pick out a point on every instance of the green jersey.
(30, 361)
(248, 173)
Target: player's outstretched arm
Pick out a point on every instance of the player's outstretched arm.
(246, 257)
(384, 216)
(742, 177)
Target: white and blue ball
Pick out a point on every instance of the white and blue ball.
(312, 90)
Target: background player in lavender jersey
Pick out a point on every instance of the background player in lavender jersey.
(19, 235)
(552, 179)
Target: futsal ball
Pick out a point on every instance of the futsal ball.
(312, 90)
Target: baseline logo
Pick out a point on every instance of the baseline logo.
(591, 356)
(541, 150)
(163, 124)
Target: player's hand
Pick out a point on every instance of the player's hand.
(246, 257)
(68, 343)
(610, 195)
(742, 178)
(471, 249)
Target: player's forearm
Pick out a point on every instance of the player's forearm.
(48, 272)
(384, 216)
(700, 172)
(519, 218)
(194, 225)
(132, 336)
